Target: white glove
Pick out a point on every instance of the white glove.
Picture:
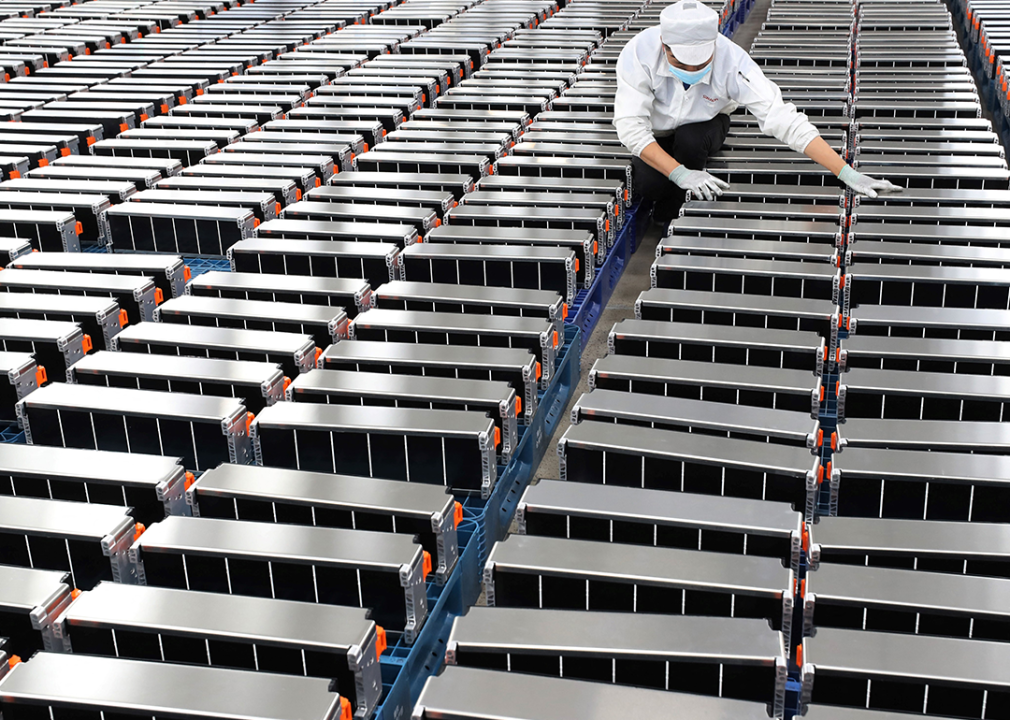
(864, 184)
(698, 182)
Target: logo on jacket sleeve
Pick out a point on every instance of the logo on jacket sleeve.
(710, 99)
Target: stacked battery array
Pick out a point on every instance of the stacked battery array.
(916, 492)
(984, 28)
(248, 481)
(704, 474)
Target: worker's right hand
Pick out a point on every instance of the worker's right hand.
(698, 182)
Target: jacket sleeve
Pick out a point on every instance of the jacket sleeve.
(775, 117)
(633, 103)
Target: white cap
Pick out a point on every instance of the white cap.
(689, 29)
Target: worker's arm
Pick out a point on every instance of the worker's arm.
(822, 154)
(633, 120)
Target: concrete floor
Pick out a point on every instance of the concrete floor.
(635, 279)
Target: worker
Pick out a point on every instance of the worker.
(677, 84)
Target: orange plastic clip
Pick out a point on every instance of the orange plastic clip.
(346, 711)
(799, 656)
(138, 530)
(497, 436)
(123, 127)
(380, 640)
(803, 587)
(298, 194)
(576, 264)
(124, 318)
(159, 296)
(190, 479)
(538, 371)
(40, 376)
(143, 117)
(75, 593)
(822, 393)
(91, 139)
(287, 383)
(277, 208)
(834, 440)
(319, 182)
(806, 538)
(164, 109)
(183, 100)
(78, 227)
(457, 513)
(438, 222)
(426, 564)
(519, 406)
(248, 421)
(13, 660)
(319, 353)
(820, 437)
(14, 174)
(596, 248)
(86, 344)
(199, 91)
(256, 222)
(187, 274)
(65, 151)
(606, 226)
(564, 311)
(555, 339)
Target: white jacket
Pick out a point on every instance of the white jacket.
(651, 102)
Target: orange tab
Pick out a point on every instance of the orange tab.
(365, 147)
(183, 100)
(287, 382)
(799, 656)
(65, 151)
(820, 437)
(822, 393)
(86, 344)
(834, 440)
(538, 371)
(14, 660)
(555, 339)
(606, 225)
(75, 593)
(78, 227)
(426, 564)
(380, 640)
(457, 513)
(277, 208)
(159, 296)
(298, 194)
(14, 174)
(564, 311)
(138, 530)
(40, 376)
(124, 318)
(190, 479)
(164, 109)
(803, 587)
(199, 91)
(248, 421)
(806, 538)
(438, 222)
(596, 248)
(187, 274)
(123, 127)
(319, 182)
(91, 139)
(319, 351)
(346, 711)
(519, 406)
(256, 222)
(576, 264)
(143, 117)
(497, 436)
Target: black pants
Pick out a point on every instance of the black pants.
(690, 145)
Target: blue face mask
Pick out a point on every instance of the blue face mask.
(690, 78)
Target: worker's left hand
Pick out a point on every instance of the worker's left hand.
(864, 184)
